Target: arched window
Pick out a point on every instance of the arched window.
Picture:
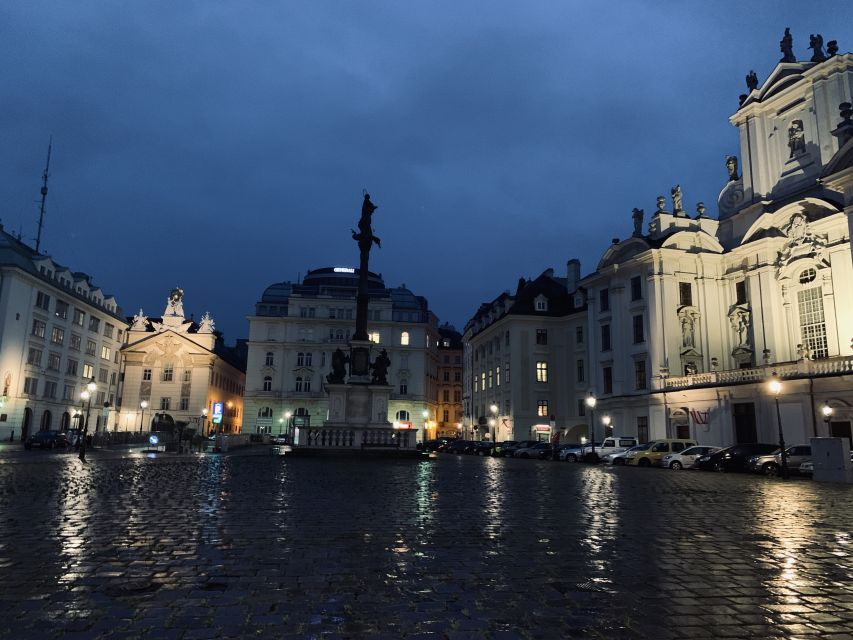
(807, 276)
(267, 383)
(265, 412)
(300, 359)
(404, 338)
(269, 359)
(45, 420)
(402, 416)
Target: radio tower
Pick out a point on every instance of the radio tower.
(43, 193)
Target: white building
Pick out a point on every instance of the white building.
(296, 328)
(179, 369)
(690, 318)
(58, 330)
(525, 355)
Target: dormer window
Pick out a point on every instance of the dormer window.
(541, 303)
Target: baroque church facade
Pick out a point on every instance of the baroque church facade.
(689, 318)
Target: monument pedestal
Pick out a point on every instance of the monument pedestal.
(357, 424)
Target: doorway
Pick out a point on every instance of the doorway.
(25, 426)
(745, 429)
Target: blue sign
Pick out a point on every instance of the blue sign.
(217, 412)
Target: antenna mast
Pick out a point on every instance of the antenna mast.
(43, 193)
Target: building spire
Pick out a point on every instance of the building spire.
(43, 193)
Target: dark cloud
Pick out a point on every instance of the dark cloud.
(223, 146)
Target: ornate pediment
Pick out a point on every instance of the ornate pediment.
(802, 243)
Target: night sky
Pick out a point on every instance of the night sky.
(223, 146)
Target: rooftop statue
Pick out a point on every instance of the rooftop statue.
(207, 325)
(751, 81)
(661, 204)
(731, 166)
(831, 48)
(816, 45)
(140, 322)
(637, 216)
(677, 199)
(787, 47)
(700, 210)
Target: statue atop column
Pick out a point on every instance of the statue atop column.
(364, 236)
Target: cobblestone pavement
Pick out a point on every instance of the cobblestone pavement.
(254, 545)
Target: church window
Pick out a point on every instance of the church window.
(740, 292)
(812, 322)
(808, 276)
(685, 294)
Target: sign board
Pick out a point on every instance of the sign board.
(217, 413)
(403, 425)
(541, 428)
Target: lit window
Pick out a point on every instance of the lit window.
(404, 338)
(542, 408)
(374, 337)
(541, 371)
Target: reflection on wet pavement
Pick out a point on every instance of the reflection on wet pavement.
(457, 547)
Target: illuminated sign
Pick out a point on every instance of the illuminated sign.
(402, 425)
(344, 270)
(217, 412)
(541, 428)
(153, 440)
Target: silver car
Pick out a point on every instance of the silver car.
(686, 459)
(771, 464)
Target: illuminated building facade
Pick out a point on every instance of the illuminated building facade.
(58, 330)
(296, 328)
(525, 362)
(689, 318)
(448, 418)
(179, 369)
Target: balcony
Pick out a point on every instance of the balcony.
(784, 370)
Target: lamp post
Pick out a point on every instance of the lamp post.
(494, 422)
(142, 405)
(86, 396)
(775, 387)
(204, 422)
(591, 402)
(827, 412)
(605, 420)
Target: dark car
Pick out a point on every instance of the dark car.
(501, 447)
(484, 448)
(47, 440)
(433, 445)
(459, 446)
(735, 457)
(508, 450)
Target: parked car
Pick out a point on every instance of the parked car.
(541, 450)
(658, 449)
(618, 459)
(735, 457)
(573, 454)
(502, 447)
(771, 463)
(687, 458)
(433, 445)
(484, 448)
(807, 468)
(46, 440)
(509, 451)
(460, 446)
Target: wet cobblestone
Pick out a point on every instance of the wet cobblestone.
(260, 546)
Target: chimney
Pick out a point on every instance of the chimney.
(573, 274)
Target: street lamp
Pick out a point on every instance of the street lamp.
(288, 425)
(827, 412)
(494, 422)
(425, 414)
(204, 422)
(775, 387)
(605, 419)
(86, 396)
(591, 402)
(142, 405)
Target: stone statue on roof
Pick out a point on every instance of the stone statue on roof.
(140, 322)
(786, 45)
(751, 80)
(816, 45)
(677, 200)
(175, 303)
(731, 166)
(207, 324)
(637, 216)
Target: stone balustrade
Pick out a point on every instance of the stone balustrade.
(785, 370)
